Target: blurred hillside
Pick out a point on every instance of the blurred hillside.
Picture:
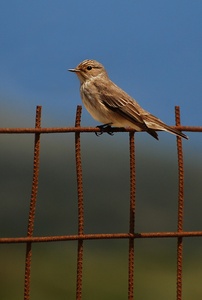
(106, 183)
(105, 163)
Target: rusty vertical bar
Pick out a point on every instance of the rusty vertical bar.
(32, 209)
(80, 205)
(132, 215)
(180, 206)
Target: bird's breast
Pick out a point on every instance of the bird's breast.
(93, 103)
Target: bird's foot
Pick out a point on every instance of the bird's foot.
(104, 128)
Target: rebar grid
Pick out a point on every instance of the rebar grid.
(32, 209)
(180, 207)
(132, 215)
(80, 205)
(85, 129)
(80, 237)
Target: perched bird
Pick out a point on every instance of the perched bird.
(110, 105)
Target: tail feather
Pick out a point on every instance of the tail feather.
(175, 131)
(153, 133)
(154, 123)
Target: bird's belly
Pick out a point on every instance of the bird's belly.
(96, 109)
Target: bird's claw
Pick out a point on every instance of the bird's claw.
(104, 128)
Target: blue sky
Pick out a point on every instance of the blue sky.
(152, 49)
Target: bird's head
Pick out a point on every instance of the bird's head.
(88, 70)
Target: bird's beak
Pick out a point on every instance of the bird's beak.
(73, 70)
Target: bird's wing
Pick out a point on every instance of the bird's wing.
(120, 102)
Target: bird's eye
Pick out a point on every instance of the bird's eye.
(89, 68)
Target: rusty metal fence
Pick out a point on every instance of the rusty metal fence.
(131, 235)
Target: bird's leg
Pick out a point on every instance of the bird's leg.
(103, 128)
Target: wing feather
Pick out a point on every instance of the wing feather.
(117, 100)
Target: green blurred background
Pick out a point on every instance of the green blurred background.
(105, 163)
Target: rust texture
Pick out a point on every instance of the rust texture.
(132, 215)
(179, 235)
(80, 205)
(98, 236)
(84, 129)
(180, 207)
(32, 209)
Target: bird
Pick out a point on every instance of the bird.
(108, 104)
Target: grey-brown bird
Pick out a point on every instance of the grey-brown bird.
(110, 105)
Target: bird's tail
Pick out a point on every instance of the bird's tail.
(154, 123)
(175, 131)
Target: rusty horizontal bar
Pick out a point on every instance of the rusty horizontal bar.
(100, 236)
(86, 129)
